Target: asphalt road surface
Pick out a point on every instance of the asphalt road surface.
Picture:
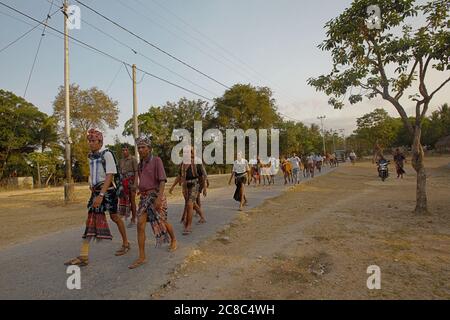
(35, 270)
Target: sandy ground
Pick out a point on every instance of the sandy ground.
(29, 214)
(317, 240)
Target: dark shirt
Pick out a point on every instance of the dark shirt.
(189, 174)
(399, 158)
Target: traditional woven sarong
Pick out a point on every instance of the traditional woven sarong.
(399, 167)
(96, 224)
(192, 190)
(124, 200)
(241, 178)
(156, 218)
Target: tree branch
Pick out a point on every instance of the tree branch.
(411, 74)
(440, 87)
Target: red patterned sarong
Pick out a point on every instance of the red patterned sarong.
(124, 200)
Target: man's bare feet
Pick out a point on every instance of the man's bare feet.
(137, 263)
(201, 221)
(173, 246)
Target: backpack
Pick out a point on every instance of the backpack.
(117, 181)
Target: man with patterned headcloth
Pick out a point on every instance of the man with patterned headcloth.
(102, 166)
(153, 203)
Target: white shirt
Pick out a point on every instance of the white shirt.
(97, 172)
(318, 158)
(295, 161)
(310, 159)
(240, 166)
(275, 165)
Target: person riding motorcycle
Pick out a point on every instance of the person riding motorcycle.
(381, 161)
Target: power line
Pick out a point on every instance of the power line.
(24, 34)
(109, 55)
(152, 45)
(114, 79)
(38, 49)
(146, 57)
(211, 40)
(231, 67)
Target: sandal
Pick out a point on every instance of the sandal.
(137, 263)
(186, 232)
(201, 221)
(123, 250)
(78, 261)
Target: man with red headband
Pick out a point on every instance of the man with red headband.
(102, 169)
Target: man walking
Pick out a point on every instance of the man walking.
(103, 198)
(129, 176)
(153, 202)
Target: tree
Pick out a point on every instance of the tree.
(46, 164)
(386, 63)
(440, 124)
(160, 121)
(91, 108)
(246, 107)
(378, 127)
(23, 129)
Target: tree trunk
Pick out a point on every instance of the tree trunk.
(418, 165)
(38, 175)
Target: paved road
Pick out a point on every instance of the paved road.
(35, 270)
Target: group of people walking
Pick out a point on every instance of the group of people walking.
(147, 178)
(114, 186)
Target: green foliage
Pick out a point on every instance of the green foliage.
(91, 108)
(23, 129)
(363, 57)
(246, 107)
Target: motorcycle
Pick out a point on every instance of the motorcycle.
(383, 170)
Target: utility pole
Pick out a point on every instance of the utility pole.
(135, 118)
(321, 118)
(333, 132)
(68, 186)
(342, 131)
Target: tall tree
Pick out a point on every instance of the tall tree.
(23, 129)
(160, 121)
(246, 107)
(387, 60)
(378, 127)
(91, 108)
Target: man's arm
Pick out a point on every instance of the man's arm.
(158, 201)
(177, 180)
(99, 199)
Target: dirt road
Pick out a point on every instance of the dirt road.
(317, 240)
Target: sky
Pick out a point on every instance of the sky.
(265, 43)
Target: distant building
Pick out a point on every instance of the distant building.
(443, 145)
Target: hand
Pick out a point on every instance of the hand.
(158, 203)
(97, 202)
(171, 191)
(205, 192)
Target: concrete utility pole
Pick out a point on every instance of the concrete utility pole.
(321, 118)
(68, 186)
(342, 131)
(135, 116)
(333, 133)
